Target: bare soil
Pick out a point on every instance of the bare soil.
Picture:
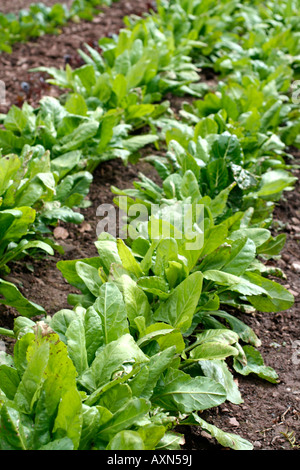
(270, 414)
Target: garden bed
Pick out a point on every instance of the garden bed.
(270, 414)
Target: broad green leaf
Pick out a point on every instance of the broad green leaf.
(156, 366)
(124, 418)
(9, 380)
(136, 301)
(171, 441)
(187, 394)
(273, 182)
(13, 434)
(278, 298)
(90, 277)
(244, 331)
(243, 252)
(78, 137)
(166, 251)
(32, 379)
(75, 336)
(111, 309)
(116, 397)
(179, 308)
(234, 283)
(128, 260)
(108, 253)
(151, 435)
(233, 441)
(255, 365)
(212, 350)
(14, 298)
(9, 165)
(113, 359)
(258, 235)
(59, 444)
(218, 370)
(68, 422)
(126, 440)
(69, 272)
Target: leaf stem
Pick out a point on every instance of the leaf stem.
(6, 332)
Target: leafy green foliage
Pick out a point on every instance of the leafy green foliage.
(149, 341)
(40, 19)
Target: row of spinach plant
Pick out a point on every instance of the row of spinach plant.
(152, 341)
(41, 19)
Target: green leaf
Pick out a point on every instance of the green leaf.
(136, 301)
(234, 283)
(75, 335)
(108, 253)
(258, 235)
(186, 394)
(68, 422)
(59, 444)
(128, 260)
(226, 439)
(179, 308)
(166, 251)
(171, 441)
(76, 104)
(157, 365)
(90, 276)
(113, 360)
(243, 253)
(244, 331)
(15, 120)
(9, 380)
(133, 144)
(69, 271)
(78, 137)
(12, 430)
(9, 165)
(212, 350)
(277, 299)
(30, 385)
(218, 371)
(273, 246)
(151, 435)
(228, 147)
(111, 309)
(255, 365)
(124, 418)
(116, 397)
(126, 440)
(14, 298)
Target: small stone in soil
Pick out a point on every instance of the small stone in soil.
(234, 422)
(296, 267)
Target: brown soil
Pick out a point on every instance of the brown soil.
(269, 411)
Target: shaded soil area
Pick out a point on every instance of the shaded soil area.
(269, 417)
